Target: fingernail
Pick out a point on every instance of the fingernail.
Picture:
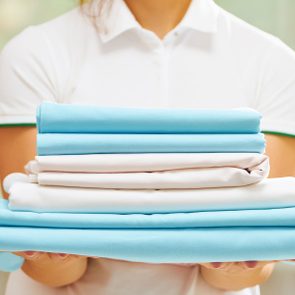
(216, 264)
(30, 253)
(62, 255)
(251, 264)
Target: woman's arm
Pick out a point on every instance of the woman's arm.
(16, 149)
(281, 150)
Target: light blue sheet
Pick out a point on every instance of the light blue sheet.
(69, 144)
(243, 218)
(158, 245)
(167, 238)
(10, 262)
(62, 118)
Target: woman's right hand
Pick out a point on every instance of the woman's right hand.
(54, 270)
(35, 256)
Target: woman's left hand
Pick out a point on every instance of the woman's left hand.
(236, 275)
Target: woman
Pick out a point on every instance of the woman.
(144, 53)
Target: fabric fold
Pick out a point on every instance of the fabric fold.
(245, 218)
(10, 262)
(63, 118)
(157, 246)
(109, 163)
(177, 179)
(222, 170)
(76, 144)
(268, 194)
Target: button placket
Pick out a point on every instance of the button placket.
(163, 57)
(162, 50)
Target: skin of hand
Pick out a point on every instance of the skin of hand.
(236, 275)
(53, 270)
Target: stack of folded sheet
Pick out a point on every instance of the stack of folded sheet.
(150, 185)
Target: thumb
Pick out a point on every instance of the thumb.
(29, 255)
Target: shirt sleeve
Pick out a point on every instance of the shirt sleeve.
(26, 77)
(276, 90)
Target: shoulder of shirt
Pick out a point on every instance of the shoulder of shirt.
(68, 24)
(246, 35)
(56, 33)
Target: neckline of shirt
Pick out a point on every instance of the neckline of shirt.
(202, 16)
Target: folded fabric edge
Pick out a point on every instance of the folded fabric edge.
(127, 247)
(10, 262)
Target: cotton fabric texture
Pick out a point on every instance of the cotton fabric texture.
(79, 129)
(10, 262)
(150, 171)
(76, 144)
(157, 246)
(283, 217)
(268, 194)
(63, 118)
(119, 163)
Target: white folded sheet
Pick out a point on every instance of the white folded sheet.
(270, 193)
(105, 163)
(149, 171)
(176, 179)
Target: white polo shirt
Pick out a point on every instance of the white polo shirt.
(210, 60)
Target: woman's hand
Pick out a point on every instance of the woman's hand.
(236, 275)
(54, 270)
(39, 256)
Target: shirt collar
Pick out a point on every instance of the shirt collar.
(116, 21)
(201, 16)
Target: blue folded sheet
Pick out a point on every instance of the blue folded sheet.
(10, 262)
(76, 144)
(243, 218)
(62, 118)
(157, 245)
(159, 238)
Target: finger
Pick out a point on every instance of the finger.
(63, 256)
(93, 257)
(251, 264)
(58, 256)
(215, 265)
(30, 255)
(256, 264)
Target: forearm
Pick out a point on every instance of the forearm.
(281, 151)
(16, 149)
(221, 279)
(53, 273)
